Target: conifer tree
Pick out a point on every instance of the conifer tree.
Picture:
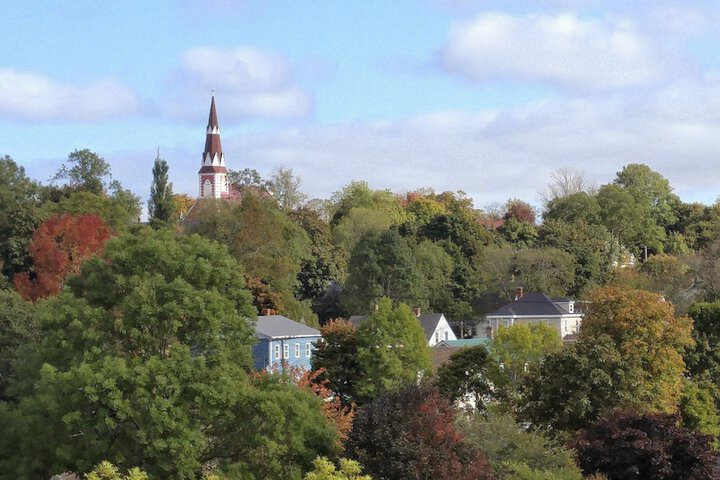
(161, 208)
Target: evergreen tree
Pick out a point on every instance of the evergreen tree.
(161, 208)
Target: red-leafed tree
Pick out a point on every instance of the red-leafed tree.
(335, 410)
(59, 246)
(411, 433)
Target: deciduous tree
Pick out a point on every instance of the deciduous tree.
(59, 246)
(85, 170)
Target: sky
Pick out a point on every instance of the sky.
(485, 96)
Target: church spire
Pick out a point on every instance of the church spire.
(213, 174)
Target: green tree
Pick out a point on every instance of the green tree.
(548, 270)
(578, 207)
(468, 373)
(698, 409)
(381, 265)
(651, 189)
(325, 470)
(572, 387)
(516, 453)
(19, 216)
(108, 471)
(17, 328)
(337, 357)
(285, 189)
(119, 210)
(703, 360)
(131, 362)
(161, 207)
(392, 350)
(522, 346)
(648, 335)
(85, 170)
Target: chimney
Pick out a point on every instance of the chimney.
(518, 293)
(417, 311)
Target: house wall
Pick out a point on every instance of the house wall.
(564, 325)
(265, 353)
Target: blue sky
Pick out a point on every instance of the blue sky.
(489, 97)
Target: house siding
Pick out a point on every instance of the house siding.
(263, 352)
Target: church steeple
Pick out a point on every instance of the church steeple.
(213, 174)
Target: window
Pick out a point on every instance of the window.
(308, 350)
(286, 351)
(297, 350)
(437, 337)
(277, 352)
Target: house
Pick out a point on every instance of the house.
(435, 325)
(281, 340)
(560, 313)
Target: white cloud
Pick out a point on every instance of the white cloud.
(580, 53)
(252, 84)
(32, 96)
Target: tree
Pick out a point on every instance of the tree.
(381, 265)
(19, 216)
(119, 210)
(59, 246)
(392, 350)
(17, 328)
(248, 177)
(648, 335)
(285, 188)
(651, 189)
(566, 182)
(467, 376)
(703, 360)
(516, 453)
(572, 387)
(325, 470)
(108, 471)
(182, 203)
(630, 445)
(336, 357)
(577, 207)
(131, 362)
(519, 210)
(161, 206)
(410, 433)
(548, 270)
(697, 407)
(522, 346)
(85, 170)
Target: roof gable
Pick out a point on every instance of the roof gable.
(279, 326)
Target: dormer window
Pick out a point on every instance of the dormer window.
(571, 307)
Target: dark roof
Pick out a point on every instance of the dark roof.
(440, 355)
(212, 140)
(278, 326)
(357, 320)
(212, 169)
(429, 322)
(531, 304)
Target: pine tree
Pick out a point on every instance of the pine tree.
(161, 209)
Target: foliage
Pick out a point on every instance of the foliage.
(650, 189)
(548, 270)
(85, 170)
(519, 210)
(649, 337)
(107, 471)
(516, 453)
(629, 445)
(247, 177)
(161, 205)
(575, 208)
(141, 359)
(181, 204)
(704, 358)
(325, 470)
(410, 433)
(566, 182)
(336, 357)
(285, 189)
(19, 216)
(17, 327)
(466, 376)
(697, 407)
(381, 265)
(263, 239)
(392, 350)
(523, 346)
(572, 387)
(119, 210)
(59, 246)
(336, 411)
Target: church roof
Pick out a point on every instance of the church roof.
(212, 137)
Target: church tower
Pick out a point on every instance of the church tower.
(213, 174)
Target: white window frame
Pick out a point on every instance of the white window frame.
(297, 350)
(286, 351)
(277, 352)
(308, 350)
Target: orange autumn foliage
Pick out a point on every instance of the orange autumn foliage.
(340, 415)
(59, 246)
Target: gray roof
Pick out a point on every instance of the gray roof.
(278, 326)
(534, 304)
(428, 321)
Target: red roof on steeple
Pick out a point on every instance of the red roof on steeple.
(212, 138)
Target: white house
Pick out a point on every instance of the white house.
(560, 313)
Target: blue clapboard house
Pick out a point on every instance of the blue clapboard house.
(281, 339)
